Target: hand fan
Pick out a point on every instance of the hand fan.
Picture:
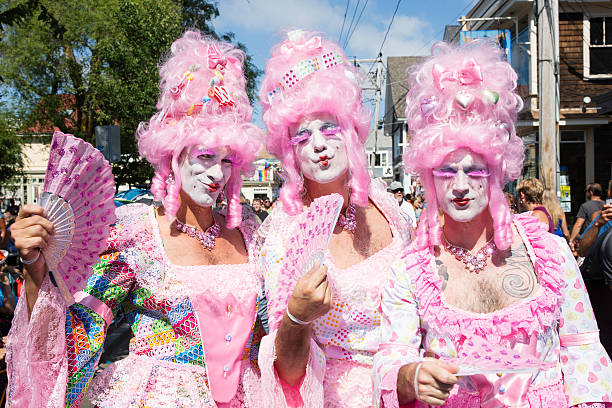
(306, 244)
(483, 358)
(78, 199)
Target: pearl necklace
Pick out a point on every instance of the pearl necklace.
(473, 263)
(207, 238)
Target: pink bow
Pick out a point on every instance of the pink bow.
(469, 74)
(314, 43)
(216, 58)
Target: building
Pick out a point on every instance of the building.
(395, 127)
(585, 85)
(266, 180)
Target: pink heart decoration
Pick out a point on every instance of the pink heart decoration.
(428, 106)
(592, 377)
(464, 99)
(579, 307)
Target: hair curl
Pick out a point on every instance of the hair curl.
(173, 129)
(439, 125)
(334, 91)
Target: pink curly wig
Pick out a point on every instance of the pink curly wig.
(188, 115)
(334, 91)
(464, 97)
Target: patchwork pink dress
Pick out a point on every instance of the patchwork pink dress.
(556, 324)
(339, 370)
(196, 332)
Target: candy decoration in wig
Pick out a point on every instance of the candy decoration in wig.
(464, 97)
(317, 127)
(182, 274)
(306, 74)
(203, 101)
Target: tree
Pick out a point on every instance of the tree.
(11, 163)
(104, 54)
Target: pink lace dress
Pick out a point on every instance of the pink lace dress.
(345, 340)
(195, 341)
(554, 325)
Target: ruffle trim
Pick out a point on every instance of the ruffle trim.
(515, 322)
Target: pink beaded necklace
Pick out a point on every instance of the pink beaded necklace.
(473, 263)
(207, 238)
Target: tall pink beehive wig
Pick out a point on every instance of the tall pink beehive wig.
(464, 97)
(203, 101)
(308, 74)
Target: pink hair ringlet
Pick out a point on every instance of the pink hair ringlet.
(309, 74)
(464, 97)
(203, 101)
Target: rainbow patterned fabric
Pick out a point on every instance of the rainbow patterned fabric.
(166, 365)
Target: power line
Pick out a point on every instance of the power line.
(357, 23)
(352, 19)
(386, 34)
(344, 20)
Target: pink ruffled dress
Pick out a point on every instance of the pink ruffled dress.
(196, 332)
(339, 371)
(556, 324)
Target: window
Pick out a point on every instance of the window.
(598, 30)
(378, 159)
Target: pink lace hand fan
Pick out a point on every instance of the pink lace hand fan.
(478, 357)
(306, 244)
(78, 200)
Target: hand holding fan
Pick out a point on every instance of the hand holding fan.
(78, 199)
(483, 358)
(306, 244)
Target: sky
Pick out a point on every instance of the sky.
(260, 24)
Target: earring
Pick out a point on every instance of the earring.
(170, 179)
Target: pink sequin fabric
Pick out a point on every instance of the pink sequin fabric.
(416, 316)
(345, 339)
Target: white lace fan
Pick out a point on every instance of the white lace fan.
(306, 244)
(78, 200)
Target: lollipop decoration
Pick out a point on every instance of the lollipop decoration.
(78, 199)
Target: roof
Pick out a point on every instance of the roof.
(397, 85)
(451, 34)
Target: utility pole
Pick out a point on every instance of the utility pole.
(373, 84)
(548, 91)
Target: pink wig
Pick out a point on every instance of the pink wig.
(463, 97)
(328, 90)
(190, 113)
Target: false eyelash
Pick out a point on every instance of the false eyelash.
(330, 131)
(201, 151)
(478, 173)
(299, 138)
(451, 174)
(446, 174)
(231, 158)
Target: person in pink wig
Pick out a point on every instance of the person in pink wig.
(484, 309)
(181, 272)
(322, 340)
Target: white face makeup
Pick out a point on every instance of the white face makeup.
(204, 173)
(319, 147)
(462, 185)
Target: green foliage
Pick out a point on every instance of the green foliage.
(77, 65)
(11, 159)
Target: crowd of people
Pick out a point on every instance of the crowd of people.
(435, 296)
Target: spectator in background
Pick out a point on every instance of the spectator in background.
(258, 209)
(406, 208)
(417, 203)
(529, 193)
(511, 202)
(267, 205)
(586, 210)
(551, 202)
